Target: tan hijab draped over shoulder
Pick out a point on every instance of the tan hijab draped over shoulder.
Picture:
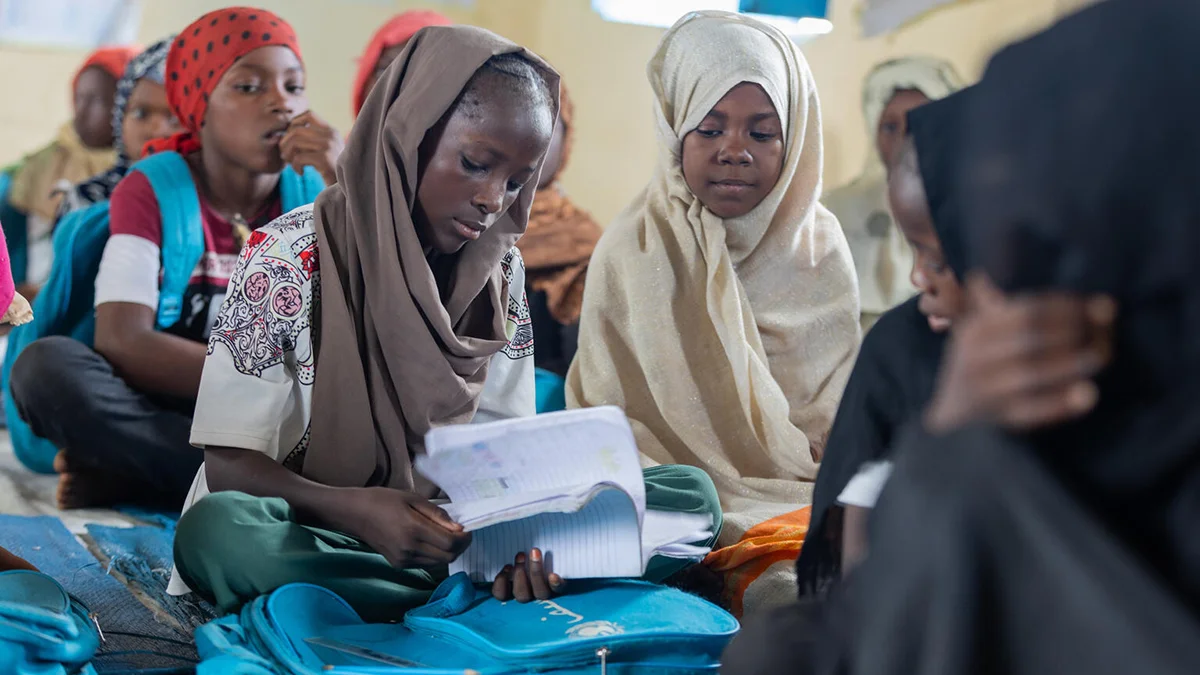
(727, 342)
(404, 339)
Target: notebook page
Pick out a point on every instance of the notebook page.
(601, 540)
(564, 450)
(671, 533)
(483, 513)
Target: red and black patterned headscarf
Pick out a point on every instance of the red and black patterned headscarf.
(201, 55)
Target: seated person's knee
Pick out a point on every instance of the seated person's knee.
(47, 367)
(208, 525)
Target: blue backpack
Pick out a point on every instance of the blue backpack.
(550, 390)
(65, 305)
(630, 627)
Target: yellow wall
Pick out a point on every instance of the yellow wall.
(603, 65)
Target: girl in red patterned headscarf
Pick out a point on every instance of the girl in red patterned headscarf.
(236, 82)
(221, 43)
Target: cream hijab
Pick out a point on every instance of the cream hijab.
(727, 342)
(881, 255)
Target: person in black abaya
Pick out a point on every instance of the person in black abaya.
(1042, 519)
(894, 375)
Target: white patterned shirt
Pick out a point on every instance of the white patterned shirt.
(256, 390)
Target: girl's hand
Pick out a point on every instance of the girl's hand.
(19, 311)
(309, 141)
(408, 530)
(1022, 362)
(526, 581)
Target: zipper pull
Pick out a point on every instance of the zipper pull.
(96, 622)
(603, 654)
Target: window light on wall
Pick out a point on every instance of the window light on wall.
(800, 19)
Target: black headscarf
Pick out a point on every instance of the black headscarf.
(894, 375)
(1082, 174)
(937, 129)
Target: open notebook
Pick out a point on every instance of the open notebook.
(568, 483)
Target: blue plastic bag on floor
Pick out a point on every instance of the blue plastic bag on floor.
(611, 626)
(43, 630)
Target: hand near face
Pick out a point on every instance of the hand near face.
(1022, 362)
(310, 141)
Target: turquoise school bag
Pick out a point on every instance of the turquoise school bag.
(600, 627)
(65, 305)
(43, 629)
(550, 390)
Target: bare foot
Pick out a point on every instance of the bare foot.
(8, 561)
(80, 488)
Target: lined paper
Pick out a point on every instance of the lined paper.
(601, 540)
(563, 450)
(567, 483)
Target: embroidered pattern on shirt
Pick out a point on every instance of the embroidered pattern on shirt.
(266, 310)
(519, 325)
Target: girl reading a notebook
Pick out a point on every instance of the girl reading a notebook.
(392, 306)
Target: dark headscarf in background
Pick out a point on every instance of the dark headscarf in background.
(149, 65)
(404, 348)
(561, 237)
(938, 132)
(1083, 175)
(894, 376)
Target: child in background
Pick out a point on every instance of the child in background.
(881, 256)
(122, 414)
(721, 310)
(140, 114)
(385, 45)
(556, 248)
(894, 376)
(81, 150)
(408, 267)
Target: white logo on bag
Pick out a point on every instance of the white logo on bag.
(594, 629)
(558, 610)
(590, 629)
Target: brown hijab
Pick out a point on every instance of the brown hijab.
(404, 340)
(560, 238)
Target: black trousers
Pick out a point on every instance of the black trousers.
(71, 395)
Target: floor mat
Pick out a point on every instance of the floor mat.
(135, 641)
(143, 556)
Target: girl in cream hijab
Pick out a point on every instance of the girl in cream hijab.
(721, 310)
(881, 255)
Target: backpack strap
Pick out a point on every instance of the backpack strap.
(182, 229)
(297, 190)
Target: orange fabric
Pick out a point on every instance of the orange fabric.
(763, 545)
(111, 60)
(560, 238)
(395, 32)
